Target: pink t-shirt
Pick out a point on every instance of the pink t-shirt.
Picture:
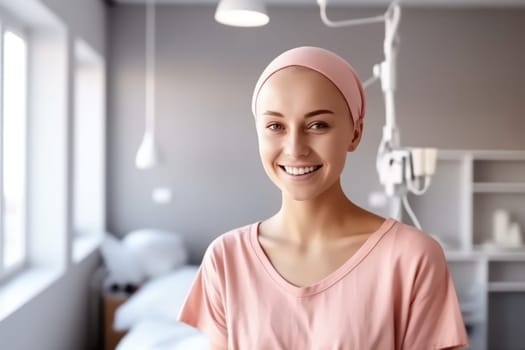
(395, 292)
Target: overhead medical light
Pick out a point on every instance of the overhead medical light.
(242, 13)
(147, 154)
(401, 169)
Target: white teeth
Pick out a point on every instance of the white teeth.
(299, 171)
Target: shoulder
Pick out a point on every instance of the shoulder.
(230, 239)
(229, 243)
(411, 241)
(414, 252)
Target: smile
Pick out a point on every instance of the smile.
(297, 171)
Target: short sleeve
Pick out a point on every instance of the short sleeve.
(204, 306)
(434, 319)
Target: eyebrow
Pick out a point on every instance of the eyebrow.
(307, 115)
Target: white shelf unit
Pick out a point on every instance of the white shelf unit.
(499, 187)
(457, 210)
(507, 287)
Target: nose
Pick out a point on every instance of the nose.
(296, 144)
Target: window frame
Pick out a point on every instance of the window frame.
(88, 229)
(10, 24)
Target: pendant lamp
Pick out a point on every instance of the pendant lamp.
(147, 154)
(242, 13)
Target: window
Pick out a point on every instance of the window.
(33, 147)
(89, 149)
(13, 139)
(52, 144)
(38, 90)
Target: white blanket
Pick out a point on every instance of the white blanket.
(163, 335)
(150, 315)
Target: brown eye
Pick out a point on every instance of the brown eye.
(318, 126)
(274, 127)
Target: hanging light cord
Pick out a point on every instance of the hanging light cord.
(150, 67)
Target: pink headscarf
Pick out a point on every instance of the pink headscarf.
(332, 66)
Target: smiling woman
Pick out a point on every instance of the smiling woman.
(304, 130)
(322, 273)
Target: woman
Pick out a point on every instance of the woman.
(322, 273)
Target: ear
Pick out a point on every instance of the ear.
(356, 135)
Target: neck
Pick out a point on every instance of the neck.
(319, 218)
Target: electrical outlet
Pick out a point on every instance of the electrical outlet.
(161, 195)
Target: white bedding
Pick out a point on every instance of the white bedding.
(163, 335)
(150, 315)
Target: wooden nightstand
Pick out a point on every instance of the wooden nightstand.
(110, 303)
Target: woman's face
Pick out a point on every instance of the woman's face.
(304, 131)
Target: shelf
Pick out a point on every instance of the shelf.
(467, 188)
(507, 287)
(499, 187)
(484, 206)
(499, 170)
(497, 155)
(462, 255)
(500, 254)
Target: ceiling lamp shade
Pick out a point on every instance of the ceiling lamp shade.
(242, 13)
(148, 154)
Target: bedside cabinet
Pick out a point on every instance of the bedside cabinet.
(111, 301)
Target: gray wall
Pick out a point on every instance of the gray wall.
(461, 85)
(58, 318)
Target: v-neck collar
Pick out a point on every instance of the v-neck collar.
(330, 279)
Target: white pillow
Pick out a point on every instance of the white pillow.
(157, 251)
(159, 299)
(120, 262)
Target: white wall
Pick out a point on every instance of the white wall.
(58, 318)
(85, 18)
